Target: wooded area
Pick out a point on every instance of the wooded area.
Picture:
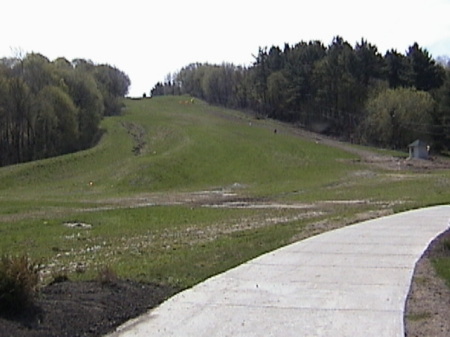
(354, 93)
(52, 108)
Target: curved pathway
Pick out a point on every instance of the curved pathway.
(351, 281)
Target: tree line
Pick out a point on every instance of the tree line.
(52, 108)
(355, 93)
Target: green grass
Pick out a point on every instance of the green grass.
(419, 316)
(442, 266)
(442, 263)
(185, 149)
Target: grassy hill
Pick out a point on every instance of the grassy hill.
(176, 192)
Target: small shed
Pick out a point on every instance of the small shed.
(418, 150)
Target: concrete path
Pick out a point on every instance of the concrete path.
(348, 282)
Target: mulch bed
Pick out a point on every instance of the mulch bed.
(87, 309)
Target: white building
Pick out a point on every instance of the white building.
(418, 150)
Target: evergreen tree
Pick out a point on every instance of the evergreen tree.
(369, 63)
(441, 129)
(337, 89)
(398, 70)
(260, 74)
(300, 61)
(426, 74)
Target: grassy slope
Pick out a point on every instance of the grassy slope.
(186, 148)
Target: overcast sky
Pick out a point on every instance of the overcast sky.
(149, 39)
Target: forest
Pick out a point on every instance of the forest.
(52, 108)
(353, 93)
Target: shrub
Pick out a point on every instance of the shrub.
(106, 275)
(19, 280)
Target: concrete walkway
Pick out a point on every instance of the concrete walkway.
(348, 282)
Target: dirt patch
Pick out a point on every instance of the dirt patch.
(427, 309)
(87, 309)
(138, 134)
(77, 225)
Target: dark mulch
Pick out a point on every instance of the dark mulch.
(88, 309)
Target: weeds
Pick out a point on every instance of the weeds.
(106, 275)
(446, 246)
(441, 261)
(19, 281)
(419, 316)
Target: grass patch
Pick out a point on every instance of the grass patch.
(154, 244)
(441, 263)
(442, 266)
(143, 223)
(419, 316)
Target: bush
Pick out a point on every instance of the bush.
(19, 280)
(107, 276)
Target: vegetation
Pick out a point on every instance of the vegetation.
(420, 316)
(397, 116)
(175, 211)
(52, 108)
(442, 261)
(19, 280)
(106, 275)
(350, 92)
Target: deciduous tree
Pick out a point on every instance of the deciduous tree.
(397, 117)
(50, 108)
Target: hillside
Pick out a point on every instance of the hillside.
(179, 190)
(171, 154)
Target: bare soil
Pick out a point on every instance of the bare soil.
(427, 311)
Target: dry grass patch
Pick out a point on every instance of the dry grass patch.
(19, 281)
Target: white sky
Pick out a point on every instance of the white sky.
(149, 39)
